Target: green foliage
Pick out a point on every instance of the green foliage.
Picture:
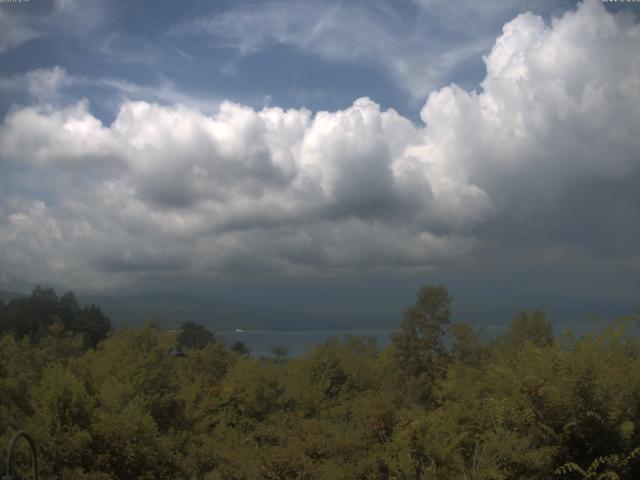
(520, 407)
(611, 467)
(333, 373)
(193, 335)
(250, 392)
(529, 327)
(44, 313)
(240, 348)
(419, 346)
(280, 352)
(465, 343)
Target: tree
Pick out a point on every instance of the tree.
(532, 327)
(193, 335)
(33, 316)
(250, 392)
(280, 352)
(240, 348)
(94, 325)
(465, 343)
(418, 347)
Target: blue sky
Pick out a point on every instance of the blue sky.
(145, 145)
(319, 55)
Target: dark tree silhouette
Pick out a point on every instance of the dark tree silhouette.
(193, 335)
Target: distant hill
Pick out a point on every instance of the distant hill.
(171, 309)
(8, 296)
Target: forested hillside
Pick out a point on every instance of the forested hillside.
(438, 403)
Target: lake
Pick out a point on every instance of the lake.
(260, 342)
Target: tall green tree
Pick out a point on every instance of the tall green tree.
(193, 335)
(532, 327)
(419, 344)
(419, 348)
(465, 344)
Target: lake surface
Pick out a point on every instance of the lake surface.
(260, 342)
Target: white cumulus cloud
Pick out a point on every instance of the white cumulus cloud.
(169, 187)
(541, 158)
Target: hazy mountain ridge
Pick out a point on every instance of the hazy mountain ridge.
(7, 296)
(171, 309)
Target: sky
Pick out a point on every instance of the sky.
(322, 149)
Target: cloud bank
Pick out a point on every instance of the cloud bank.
(535, 163)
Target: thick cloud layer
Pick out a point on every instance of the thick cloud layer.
(170, 189)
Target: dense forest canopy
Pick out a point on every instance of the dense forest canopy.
(44, 313)
(440, 402)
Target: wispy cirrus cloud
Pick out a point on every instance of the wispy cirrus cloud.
(50, 85)
(406, 47)
(421, 45)
(19, 23)
(15, 30)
